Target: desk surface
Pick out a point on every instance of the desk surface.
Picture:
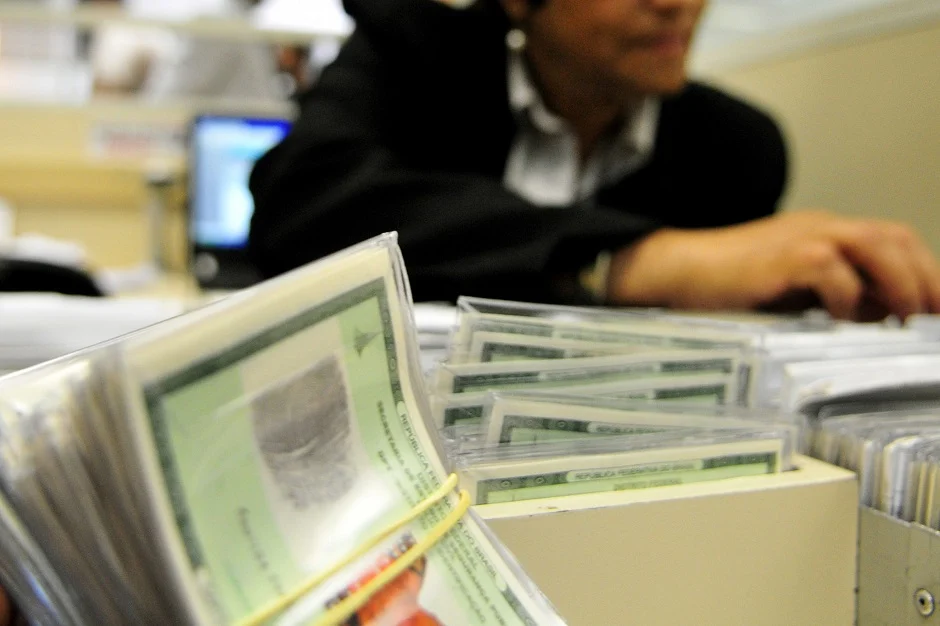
(175, 286)
(169, 286)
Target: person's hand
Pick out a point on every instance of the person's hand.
(858, 269)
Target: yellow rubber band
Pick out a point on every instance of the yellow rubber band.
(284, 602)
(340, 613)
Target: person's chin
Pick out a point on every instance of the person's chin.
(653, 78)
(672, 87)
(663, 85)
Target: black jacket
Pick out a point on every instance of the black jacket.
(410, 128)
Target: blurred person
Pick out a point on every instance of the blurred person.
(122, 57)
(214, 67)
(294, 63)
(324, 17)
(161, 64)
(555, 151)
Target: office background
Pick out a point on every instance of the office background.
(854, 84)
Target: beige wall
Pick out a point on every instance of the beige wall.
(863, 123)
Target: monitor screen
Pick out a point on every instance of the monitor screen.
(224, 149)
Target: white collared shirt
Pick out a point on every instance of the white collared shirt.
(545, 165)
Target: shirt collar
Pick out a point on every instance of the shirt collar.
(638, 132)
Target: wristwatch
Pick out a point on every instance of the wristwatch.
(594, 278)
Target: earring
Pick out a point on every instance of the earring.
(516, 40)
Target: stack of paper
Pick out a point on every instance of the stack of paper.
(262, 460)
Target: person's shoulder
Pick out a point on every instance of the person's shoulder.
(701, 108)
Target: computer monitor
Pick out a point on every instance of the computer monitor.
(223, 150)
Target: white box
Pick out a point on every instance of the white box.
(774, 550)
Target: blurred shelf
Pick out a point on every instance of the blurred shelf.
(15, 165)
(117, 107)
(222, 28)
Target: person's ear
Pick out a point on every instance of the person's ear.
(518, 11)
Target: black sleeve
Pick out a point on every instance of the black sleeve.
(345, 174)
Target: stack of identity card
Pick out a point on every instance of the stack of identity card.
(262, 460)
(538, 446)
(538, 402)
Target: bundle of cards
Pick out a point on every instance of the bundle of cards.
(549, 445)
(496, 330)
(636, 354)
(263, 460)
(701, 376)
(617, 463)
(518, 418)
(894, 454)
